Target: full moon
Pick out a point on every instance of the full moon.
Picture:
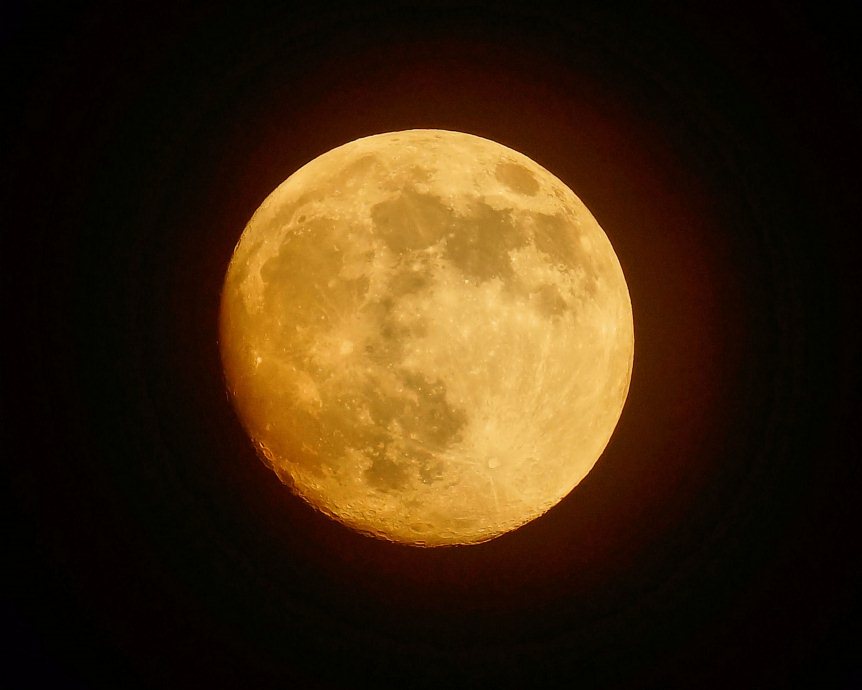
(427, 336)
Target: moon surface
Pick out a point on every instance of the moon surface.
(427, 336)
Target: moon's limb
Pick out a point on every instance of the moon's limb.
(427, 335)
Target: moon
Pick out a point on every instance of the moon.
(427, 336)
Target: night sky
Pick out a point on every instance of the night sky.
(715, 544)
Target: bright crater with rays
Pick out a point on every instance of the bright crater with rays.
(427, 336)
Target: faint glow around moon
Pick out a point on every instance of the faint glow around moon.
(427, 336)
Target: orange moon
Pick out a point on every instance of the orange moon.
(427, 336)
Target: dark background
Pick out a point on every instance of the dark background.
(715, 544)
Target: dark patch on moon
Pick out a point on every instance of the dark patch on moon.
(387, 344)
(430, 419)
(517, 178)
(549, 301)
(427, 424)
(354, 172)
(415, 173)
(385, 474)
(410, 280)
(308, 261)
(481, 244)
(554, 237)
(431, 468)
(411, 221)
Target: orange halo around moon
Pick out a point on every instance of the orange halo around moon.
(427, 336)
